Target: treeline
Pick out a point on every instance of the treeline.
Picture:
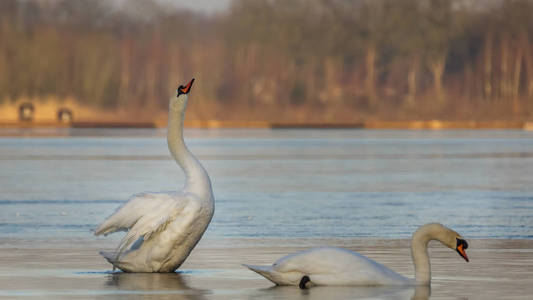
(305, 60)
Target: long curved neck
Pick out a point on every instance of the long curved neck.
(197, 180)
(419, 249)
(419, 252)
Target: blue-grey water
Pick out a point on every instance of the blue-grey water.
(276, 183)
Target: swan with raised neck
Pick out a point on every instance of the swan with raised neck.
(163, 228)
(196, 179)
(338, 266)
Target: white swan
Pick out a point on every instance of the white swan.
(163, 228)
(338, 266)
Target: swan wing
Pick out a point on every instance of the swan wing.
(153, 221)
(331, 265)
(147, 226)
(137, 207)
(318, 261)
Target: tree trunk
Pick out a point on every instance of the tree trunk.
(333, 69)
(516, 78)
(174, 75)
(152, 78)
(125, 62)
(412, 81)
(504, 68)
(470, 90)
(370, 73)
(437, 68)
(528, 57)
(487, 66)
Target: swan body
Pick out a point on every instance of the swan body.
(163, 228)
(329, 266)
(338, 266)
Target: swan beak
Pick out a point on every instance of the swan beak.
(187, 88)
(461, 250)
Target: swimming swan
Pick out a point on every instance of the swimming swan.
(163, 228)
(338, 266)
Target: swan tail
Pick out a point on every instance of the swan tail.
(111, 257)
(265, 271)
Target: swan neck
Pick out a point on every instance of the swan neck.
(419, 248)
(197, 180)
(419, 253)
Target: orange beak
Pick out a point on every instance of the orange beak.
(460, 249)
(187, 88)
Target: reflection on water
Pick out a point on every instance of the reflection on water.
(156, 285)
(344, 292)
(422, 293)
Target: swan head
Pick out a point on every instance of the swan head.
(182, 95)
(461, 247)
(447, 236)
(455, 241)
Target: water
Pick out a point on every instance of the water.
(277, 183)
(277, 192)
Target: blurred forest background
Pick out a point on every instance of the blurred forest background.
(275, 60)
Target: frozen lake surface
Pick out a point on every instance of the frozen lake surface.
(277, 191)
(278, 183)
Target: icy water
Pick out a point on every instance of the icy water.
(276, 191)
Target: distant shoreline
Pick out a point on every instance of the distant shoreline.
(215, 124)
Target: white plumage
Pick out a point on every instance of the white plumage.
(329, 266)
(163, 228)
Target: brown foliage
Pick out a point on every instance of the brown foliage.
(276, 60)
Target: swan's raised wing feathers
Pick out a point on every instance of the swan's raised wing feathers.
(181, 210)
(137, 207)
(144, 228)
